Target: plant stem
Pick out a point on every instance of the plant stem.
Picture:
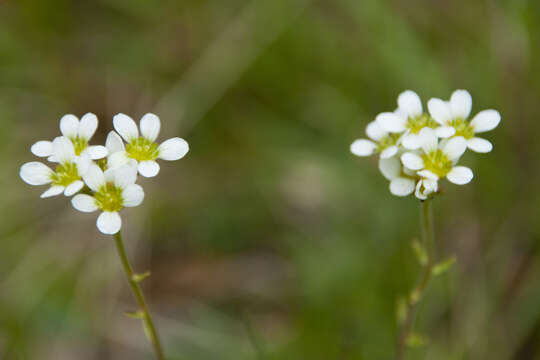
(426, 219)
(143, 312)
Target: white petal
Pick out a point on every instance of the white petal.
(52, 159)
(410, 103)
(486, 120)
(73, 188)
(412, 161)
(428, 140)
(460, 175)
(36, 173)
(455, 147)
(479, 145)
(109, 222)
(42, 148)
(84, 203)
(53, 191)
(125, 176)
(445, 131)
(418, 192)
(94, 177)
(390, 168)
(63, 150)
(428, 175)
(425, 187)
(411, 141)
(389, 152)
(363, 147)
(97, 152)
(117, 159)
(173, 149)
(391, 122)
(460, 104)
(150, 126)
(401, 186)
(114, 143)
(83, 163)
(439, 110)
(88, 126)
(375, 132)
(126, 127)
(133, 195)
(69, 125)
(148, 168)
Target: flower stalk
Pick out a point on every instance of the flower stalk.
(142, 313)
(428, 239)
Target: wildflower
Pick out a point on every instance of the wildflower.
(438, 159)
(67, 176)
(382, 142)
(452, 116)
(408, 119)
(79, 133)
(143, 149)
(113, 190)
(402, 180)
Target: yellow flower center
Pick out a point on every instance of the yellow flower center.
(437, 162)
(142, 149)
(463, 128)
(79, 144)
(419, 122)
(109, 198)
(65, 174)
(387, 141)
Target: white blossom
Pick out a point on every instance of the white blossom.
(408, 119)
(142, 148)
(436, 160)
(79, 133)
(402, 181)
(113, 190)
(66, 178)
(453, 119)
(381, 141)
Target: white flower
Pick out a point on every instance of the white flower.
(67, 176)
(382, 142)
(425, 187)
(79, 132)
(408, 119)
(452, 116)
(113, 189)
(401, 180)
(142, 148)
(437, 159)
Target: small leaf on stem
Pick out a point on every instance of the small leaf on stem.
(443, 266)
(420, 252)
(401, 310)
(140, 277)
(416, 340)
(139, 314)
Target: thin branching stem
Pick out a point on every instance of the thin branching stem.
(428, 238)
(143, 313)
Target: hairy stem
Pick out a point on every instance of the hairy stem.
(426, 219)
(143, 312)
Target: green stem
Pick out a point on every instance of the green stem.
(428, 238)
(148, 324)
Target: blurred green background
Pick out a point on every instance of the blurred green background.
(269, 240)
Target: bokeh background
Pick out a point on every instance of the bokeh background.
(269, 240)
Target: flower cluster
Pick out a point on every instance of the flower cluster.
(416, 149)
(103, 177)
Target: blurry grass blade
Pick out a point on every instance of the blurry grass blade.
(443, 266)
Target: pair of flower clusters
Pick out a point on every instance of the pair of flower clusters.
(103, 177)
(417, 149)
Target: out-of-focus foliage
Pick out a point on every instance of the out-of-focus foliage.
(270, 240)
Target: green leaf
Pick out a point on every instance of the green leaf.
(420, 252)
(443, 266)
(140, 277)
(135, 314)
(416, 340)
